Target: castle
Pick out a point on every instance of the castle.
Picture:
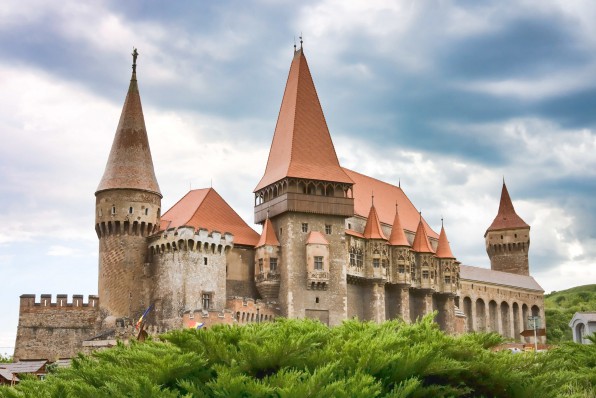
(335, 244)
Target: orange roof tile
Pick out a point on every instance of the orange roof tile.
(421, 243)
(268, 237)
(386, 195)
(205, 208)
(443, 248)
(317, 238)
(302, 146)
(506, 218)
(354, 233)
(373, 230)
(130, 164)
(398, 236)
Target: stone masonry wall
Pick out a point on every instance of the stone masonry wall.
(54, 329)
(241, 272)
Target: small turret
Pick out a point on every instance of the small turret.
(266, 259)
(128, 206)
(508, 239)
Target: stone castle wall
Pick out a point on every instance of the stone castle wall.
(54, 329)
(241, 272)
(508, 250)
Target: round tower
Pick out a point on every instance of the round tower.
(508, 239)
(127, 211)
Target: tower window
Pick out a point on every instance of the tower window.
(113, 210)
(205, 260)
(425, 274)
(349, 226)
(130, 210)
(100, 213)
(376, 263)
(260, 265)
(273, 264)
(318, 262)
(328, 229)
(206, 300)
(281, 230)
(402, 269)
(317, 300)
(447, 279)
(304, 227)
(147, 211)
(352, 257)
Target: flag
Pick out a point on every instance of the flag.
(196, 325)
(143, 316)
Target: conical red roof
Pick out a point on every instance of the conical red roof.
(302, 145)
(268, 237)
(316, 238)
(398, 236)
(373, 230)
(421, 243)
(506, 218)
(443, 248)
(130, 164)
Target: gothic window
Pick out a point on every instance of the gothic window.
(207, 299)
(359, 258)
(401, 269)
(352, 257)
(328, 229)
(273, 264)
(260, 265)
(319, 262)
(424, 274)
(376, 262)
(447, 279)
(304, 227)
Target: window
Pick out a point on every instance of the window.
(260, 265)
(304, 227)
(352, 258)
(376, 262)
(281, 230)
(130, 210)
(402, 269)
(318, 262)
(147, 211)
(100, 213)
(205, 260)
(113, 210)
(317, 300)
(424, 274)
(359, 259)
(448, 279)
(349, 226)
(206, 298)
(328, 229)
(273, 264)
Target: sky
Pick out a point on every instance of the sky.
(446, 97)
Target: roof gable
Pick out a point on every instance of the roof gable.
(205, 208)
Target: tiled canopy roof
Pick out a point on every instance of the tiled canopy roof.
(302, 145)
(316, 238)
(443, 248)
(204, 208)
(506, 218)
(470, 273)
(373, 230)
(421, 243)
(386, 196)
(268, 236)
(398, 237)
(130, 164)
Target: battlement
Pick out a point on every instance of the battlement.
(187, 238)
(135, 228)
(27, 301)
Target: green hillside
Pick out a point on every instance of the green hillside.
(560, 307)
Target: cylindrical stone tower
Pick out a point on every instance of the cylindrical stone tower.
(127, 210)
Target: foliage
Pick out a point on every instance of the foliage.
(303, 358)
(560, 307)
(5, 359)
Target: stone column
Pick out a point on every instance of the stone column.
(378, 302)
(449, 314)
(511, 323)
(499, 320)
(473, 315)
(404, 303)
(427, 303)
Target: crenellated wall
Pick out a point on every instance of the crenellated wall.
(54, 329)
(186, 265)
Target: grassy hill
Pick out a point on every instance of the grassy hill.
(560, 307)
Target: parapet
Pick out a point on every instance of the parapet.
(28, 301)
(187, 238)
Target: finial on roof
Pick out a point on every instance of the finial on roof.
(399, 183)
(372, 195)
(396, 205)
(301, 40)
(294, 43)
(503, 179)
(134, 54)
(441, 221)
(420, 212)
(268, 211)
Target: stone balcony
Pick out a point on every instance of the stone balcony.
(317, 280)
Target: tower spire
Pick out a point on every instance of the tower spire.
(398, 236)
(506, 217)
(443, 248)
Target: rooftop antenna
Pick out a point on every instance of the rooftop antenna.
(134, 54)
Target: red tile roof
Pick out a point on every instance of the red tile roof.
(373, 230)
(398, 236)
(421, 243)
(354, 233)
(130, 164)
(386, 195)
(506, 218)
(268, 237)
(302, 145)
(205, 208)
(315, 237)
(443, 248)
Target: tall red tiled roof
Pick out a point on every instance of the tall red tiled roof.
(205, 208)
(302, 145)
(443, 248)
(315, 237)
(506, 218)
(130, 164)
(398, 236)
(268, 236)
(373, 230)
(421, 243)
(386, 195)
